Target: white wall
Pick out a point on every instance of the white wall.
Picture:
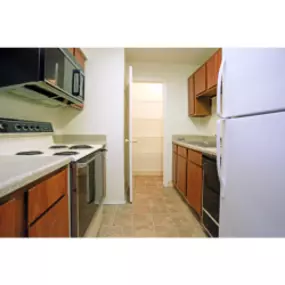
(17, 108)
(176, 121)
(104, 113)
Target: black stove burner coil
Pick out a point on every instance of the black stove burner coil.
(29, 152)
(80, 146)
(57, 146)
(66, 153)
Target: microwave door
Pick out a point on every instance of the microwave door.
(76, 78)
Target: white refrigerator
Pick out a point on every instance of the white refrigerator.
(251, 160)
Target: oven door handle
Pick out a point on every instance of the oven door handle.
(86, 166)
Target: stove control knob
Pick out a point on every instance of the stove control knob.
(18, 127)
(25, 128)
(3, 127)
(37, 128)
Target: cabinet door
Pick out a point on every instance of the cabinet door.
(181, 174)
(200, 80)
(80, 57)
(44, 194)
(54, 223)
(12, 217)
(194, 186)
(213, 65)
(191, 96)
(174, 168)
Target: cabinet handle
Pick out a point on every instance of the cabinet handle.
(219, 84)
(222, 184)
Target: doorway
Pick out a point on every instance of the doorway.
(147, 130)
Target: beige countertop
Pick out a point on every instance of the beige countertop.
(206, 150)
(18, 171)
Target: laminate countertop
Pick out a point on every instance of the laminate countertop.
(19, 171)
(206, 150)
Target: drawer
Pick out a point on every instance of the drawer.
(174, 148)
(54, 223)
(44, 194)
(182, 151)
(195, 157)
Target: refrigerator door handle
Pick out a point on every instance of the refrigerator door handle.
(219, 85)
(219, 121)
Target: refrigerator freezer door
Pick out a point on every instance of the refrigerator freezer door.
(253, 168)
(253, 81)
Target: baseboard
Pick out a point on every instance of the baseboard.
(170, 184)
(147, 173)
(115, 202)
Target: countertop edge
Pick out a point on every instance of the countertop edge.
(12, 185)
(195, 147)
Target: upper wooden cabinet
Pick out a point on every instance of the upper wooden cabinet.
(197, 107)
(200, 80)
(212, 69)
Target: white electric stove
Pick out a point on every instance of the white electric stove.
(87, 168)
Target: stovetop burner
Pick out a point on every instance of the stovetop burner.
(66, 153)
(32, 152)
(80, 146)
(57, 146)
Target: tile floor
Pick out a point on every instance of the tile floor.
(155, 212)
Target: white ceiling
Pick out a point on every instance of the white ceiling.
(169, 55)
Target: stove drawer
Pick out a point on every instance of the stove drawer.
(44, 194)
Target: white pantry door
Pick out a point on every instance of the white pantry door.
(130, 134)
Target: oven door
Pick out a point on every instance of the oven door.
(62, 72)
(85, 195)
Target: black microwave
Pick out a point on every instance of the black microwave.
(47, 74)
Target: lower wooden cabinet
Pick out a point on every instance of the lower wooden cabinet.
(54, 223)
(194, 186)
(181, 174)
(12, 222)
(188, 176)
(38, 211)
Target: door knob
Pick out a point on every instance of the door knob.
(133, 141)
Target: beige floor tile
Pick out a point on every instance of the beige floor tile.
(143, 220)
(166, 231)
(158, 208)
(198, 232)
(108, 209)
(141, 208)
(145, 232)
(186, 231)
(110, 231)
(183, 219)
(125, 209)
(163, 220)
(128, 231)
(123, 220)
(108, 219)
